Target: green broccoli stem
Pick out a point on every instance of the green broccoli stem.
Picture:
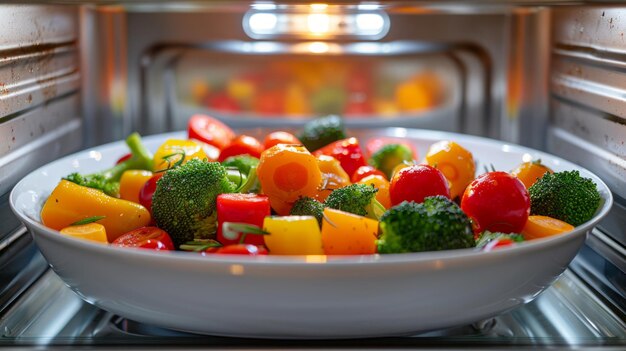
(141, 159)
(375, 209)
(250, 182)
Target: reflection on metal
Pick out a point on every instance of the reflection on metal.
(566, 314)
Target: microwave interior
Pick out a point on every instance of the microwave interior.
(544, 74)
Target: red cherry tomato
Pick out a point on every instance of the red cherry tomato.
(242, 249)
(145, 238)
(498, 202)
(365, 171)
(374, 144)
(279, 137)
(147, 190)
(123, 158)
(414, 183)
(347, 151)
(209, 130)
(242, 145)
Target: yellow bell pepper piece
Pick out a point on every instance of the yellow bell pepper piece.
(344, 233)
(293, 235)
(91, 231)
(131, 183)
(172, 150)
(70, 202)
(455, 162)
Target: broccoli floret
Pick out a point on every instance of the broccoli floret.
(109, 180)
(389, 156)
(486, 237)
(183, 203)
(322, 131)
(306, 206)
(359, 199)
(565, 196)
(242, 162)
(435, 224)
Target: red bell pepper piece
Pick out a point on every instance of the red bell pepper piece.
(241, 208)
(347, 151)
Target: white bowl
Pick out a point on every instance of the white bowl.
(304, 296)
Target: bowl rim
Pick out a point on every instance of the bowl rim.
(328, 261)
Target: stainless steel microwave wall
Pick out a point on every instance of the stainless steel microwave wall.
(543, 74)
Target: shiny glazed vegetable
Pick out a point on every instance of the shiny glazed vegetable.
(455, 162)
(529, 172)
(69, 203)
(293, 235)
(132, 182)
(90, 231)
(344, 233)
(292, 202)
(176, 152)
(498, 202)
(287, 172)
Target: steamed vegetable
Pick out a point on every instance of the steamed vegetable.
(293, 235)
(241, 208)
(379, 182)
(306, 206)
(565, 196)
(209, 130)
(90, 231)
(70, 202)
(286, 173)
(184, 201)
(365, 171)
(280, 137)
(108, 180)
(529, 172)
(241, 145)
(243, 163)
(359, 199)
(389, 156)
(455, 162)
(543, 226)
(347, 151)
(333, 176)
(344, 233)
(131, 183)
(145, 238)
(435, 224)
(175, 152)
(415, 183)
(498, 202)
(322, 131)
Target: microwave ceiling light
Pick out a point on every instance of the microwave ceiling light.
(370, 23)
(316, 24)
(263, 21)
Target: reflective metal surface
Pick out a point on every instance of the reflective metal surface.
(565, 315)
